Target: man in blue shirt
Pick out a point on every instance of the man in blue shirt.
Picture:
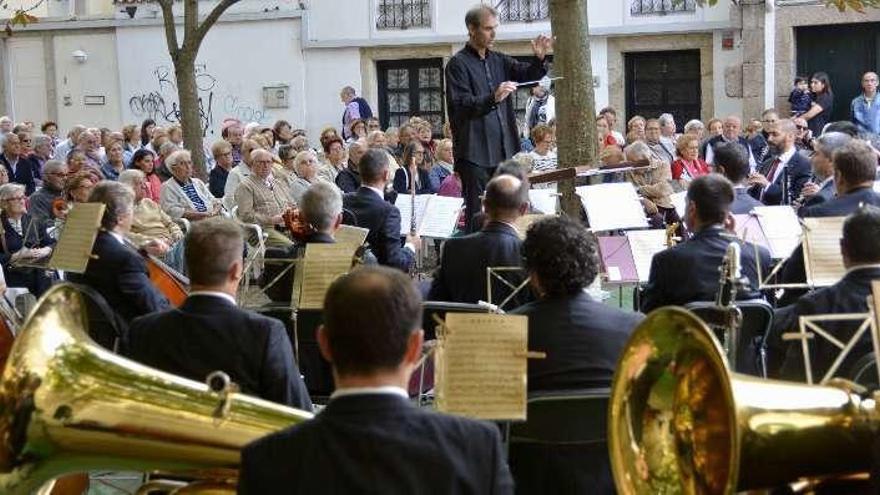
(865, 109)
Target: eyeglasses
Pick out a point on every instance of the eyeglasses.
(15, 198)
(802, 128)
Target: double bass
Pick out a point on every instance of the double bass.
(171, 283)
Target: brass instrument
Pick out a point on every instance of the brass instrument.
(680, 422)
(68, 405)
(671, 238)
(726, 316)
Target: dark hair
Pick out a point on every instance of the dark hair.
(409, 150)
(610, 110)
(856, 162)
(276, 129)
(47, 124)
(138, 156)
(800, 79)
(369, 316)
(372, 165)
(286, 152)
(843, 126)
(145, 137)
(734, 159)
(474, 16)
(825, 80)
(861, 235)
(118, 199)
(212, 246)
(712, 195)
(505, 193)
(512, 167)
(562, 254)
(326, 142)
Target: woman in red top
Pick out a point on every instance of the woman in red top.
(604, 133)
(688, 166)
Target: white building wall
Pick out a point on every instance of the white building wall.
(236, 60)
(27, 79)
(78, 83)
(328, 71)
(726, 105)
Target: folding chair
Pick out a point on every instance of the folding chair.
(562, 447)
(757, 318)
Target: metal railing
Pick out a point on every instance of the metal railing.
(403, 14)
(661, 7)
(523, 10)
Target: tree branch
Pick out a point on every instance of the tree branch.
(170, 31)
(190, 22)
(209, 21)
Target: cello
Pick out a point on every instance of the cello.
(171, 283)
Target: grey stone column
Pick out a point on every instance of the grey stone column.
(752, 16)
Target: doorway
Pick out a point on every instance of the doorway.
(663, 82)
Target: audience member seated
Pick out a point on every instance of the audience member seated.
(732, 161)
(116, 270)
(24, 241)
(263, 200)
(370, 436)
(461, 276)
(781, 177)
(688, 272)
(222, 152)
(731, 132)
(77, 189)
(820, 188)
(349, 178)
(44, 149)
(210, 333)
(115, 163)
(334, 159)
(443, 166)
(185, 196)
(413, 165)
(372, 212)
(40, 203)
(860, 249)
(661, 148)
(544, 154)
(21, 169)
(653, 184)
(689, 165)
(582, 337)
(305, 174)
(377, 140)
(152, 230)
(238, 173)
(145, 161)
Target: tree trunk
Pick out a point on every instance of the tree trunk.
(189, 111)
(575, 102)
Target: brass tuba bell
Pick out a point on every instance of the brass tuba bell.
(680, 422)
(68, 405)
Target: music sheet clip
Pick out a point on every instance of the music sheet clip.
(531, 355)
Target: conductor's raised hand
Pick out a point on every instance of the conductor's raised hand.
(541, 46)
(503, 90)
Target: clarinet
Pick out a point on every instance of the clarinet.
(786, 186)
(414, 271)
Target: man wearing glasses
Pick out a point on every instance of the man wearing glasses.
(865, 109)
(54, 175)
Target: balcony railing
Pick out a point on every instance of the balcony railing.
(403, 14)
(523, 10)
(661, 7)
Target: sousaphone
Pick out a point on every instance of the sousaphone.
(68, 405)
(680, 422)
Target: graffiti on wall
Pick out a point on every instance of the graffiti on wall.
(161, 104)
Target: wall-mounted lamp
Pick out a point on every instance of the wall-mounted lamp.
(80, 56)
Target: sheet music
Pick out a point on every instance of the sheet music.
(481, 366)
(349, 234)
(679, 201)
(748, 228)
(612, 206)
(781, 227)
(74, 247)
(822, 257)
(404, 205)
(644, 244)
(544, 200)
(322, 264)
(440, 217)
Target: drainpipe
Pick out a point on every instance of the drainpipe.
(770, 54)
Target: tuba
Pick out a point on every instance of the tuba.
(68, 405)
(680, 422)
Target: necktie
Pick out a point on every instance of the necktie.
(771, 175)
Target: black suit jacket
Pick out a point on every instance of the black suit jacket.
(484, 132)
(688, 272)
(33, 236)
(402, 181)
(208, 333)
(383, 221)
(377, 443)
(798, 171)
(119, 274)
(461, 276)
(583, 339)
(348, 179)
(27, 171)
(826, 193)
(743, 202)
(849, 295)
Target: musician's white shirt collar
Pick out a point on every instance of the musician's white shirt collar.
(785, 157)
(119, 237)
(386, 390)
(214, 293)
(377, 191)
(510, 225)
(866, 266)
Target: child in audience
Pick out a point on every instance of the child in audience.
(800, 98)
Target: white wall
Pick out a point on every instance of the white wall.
(27, 79)
(328, 71)
(722, 59)
(96, 77)
(235, 62)
(599, 58)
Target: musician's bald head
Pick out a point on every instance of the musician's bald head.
(506, 198)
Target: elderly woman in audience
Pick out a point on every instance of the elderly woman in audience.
(414, 167)
(443, 165)
(165, 151)
(282, 132)
(334, 159)
(158, 137)
(376, 140)
(185, 196)
(305, 174)
(652, 184)
(358, 130)
(115, 163)
(151, 228)
(392, 138)
(44, 149)
(24, 240)
(715, 127)
(695, 128)
(175, 134)
(688, 166)
(145, 161)
(222, 152)
(543, 156)
(635, 128)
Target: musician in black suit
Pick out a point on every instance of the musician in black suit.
(24, 241)
(210, 333)
(19, 168)
(732, 161)
(688, 272)
(372, 212)
(461, 276)
(821, 186)
(116, 270)
(781, 177)
(860, 249)
(370, 437)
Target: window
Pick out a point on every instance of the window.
(523, 10)
(409, 88)
(661, 7)
(403, 14)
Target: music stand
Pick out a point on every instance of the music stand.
(494, 272)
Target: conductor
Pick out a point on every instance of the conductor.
(481, 115)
